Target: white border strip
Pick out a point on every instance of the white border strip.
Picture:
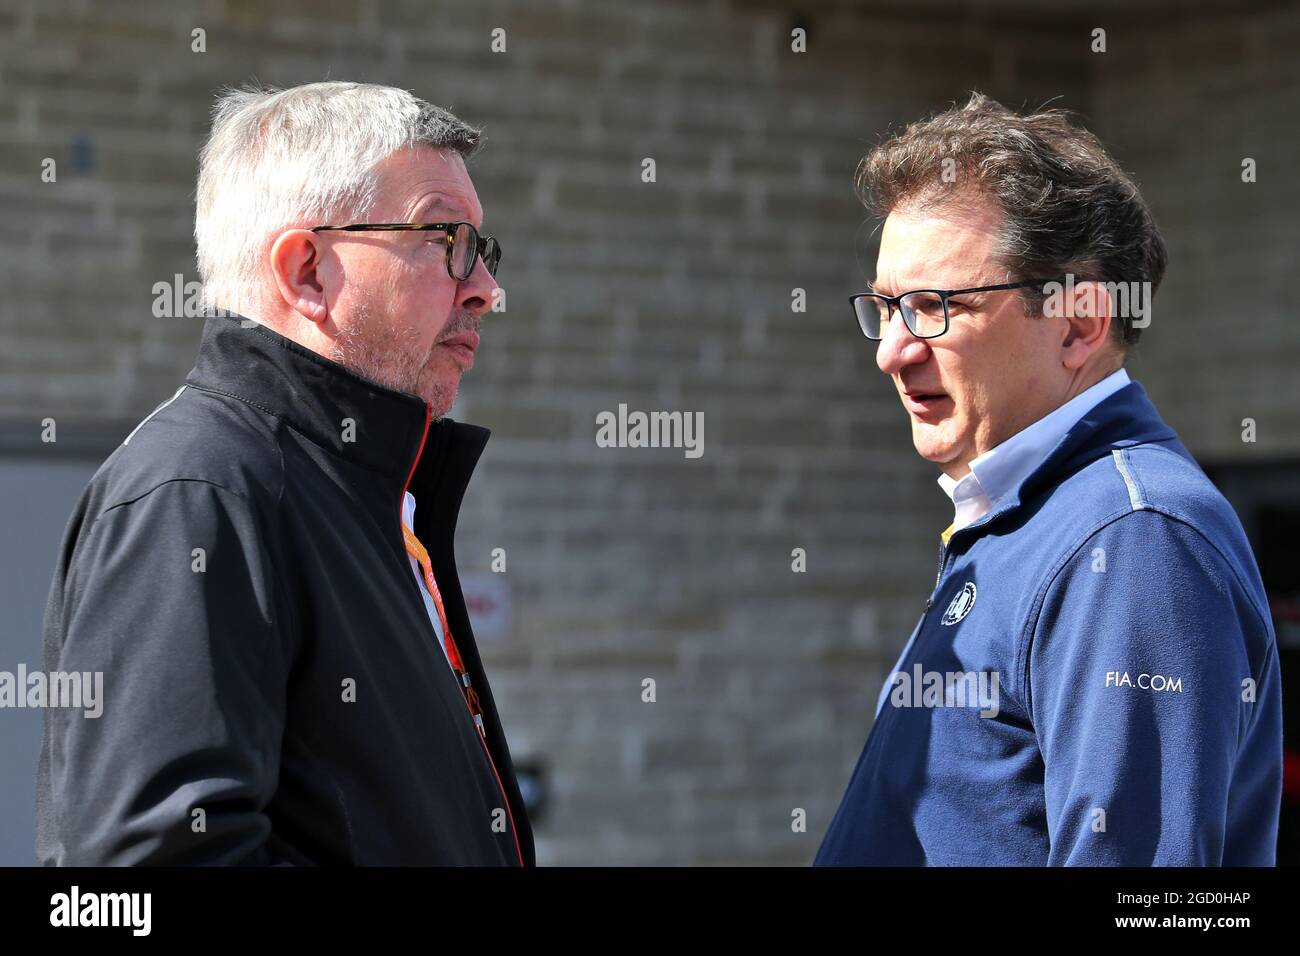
(1134, 496)
(153, 413)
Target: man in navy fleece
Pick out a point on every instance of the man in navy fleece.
(1094, 679)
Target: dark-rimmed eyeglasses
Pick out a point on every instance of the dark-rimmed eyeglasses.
(464, 244)
(924, 311)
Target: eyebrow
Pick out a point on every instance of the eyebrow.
(883, 289)
(874, 286)
(439, 202)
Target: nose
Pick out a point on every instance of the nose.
(899, 347)
(475, 293)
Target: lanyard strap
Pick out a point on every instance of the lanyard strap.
(416, 550)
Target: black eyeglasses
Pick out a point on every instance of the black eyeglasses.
(464, 245)
(925, 311)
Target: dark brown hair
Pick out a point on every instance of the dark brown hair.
(1067, 206)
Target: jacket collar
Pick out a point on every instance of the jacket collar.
(378, 428)
(1004, 467)
(1125, 418)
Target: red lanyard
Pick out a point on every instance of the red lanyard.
(417, 551)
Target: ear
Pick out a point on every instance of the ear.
(295, 263)
(1086, 311)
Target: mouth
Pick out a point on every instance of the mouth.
(925, 404)
(462, 345)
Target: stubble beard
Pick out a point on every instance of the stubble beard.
(389, 353)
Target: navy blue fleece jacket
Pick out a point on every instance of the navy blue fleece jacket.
(1094, 680)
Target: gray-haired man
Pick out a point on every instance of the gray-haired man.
(289, 668)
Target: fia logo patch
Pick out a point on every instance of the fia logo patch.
(961, 604)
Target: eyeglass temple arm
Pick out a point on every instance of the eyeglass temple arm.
(386, 227)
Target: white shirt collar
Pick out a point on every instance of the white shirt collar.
(1001, 469)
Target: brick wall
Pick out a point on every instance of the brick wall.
(1185, 101)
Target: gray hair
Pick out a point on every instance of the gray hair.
(277, 159)
(1066, 205)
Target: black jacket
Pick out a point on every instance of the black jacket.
(236, 570)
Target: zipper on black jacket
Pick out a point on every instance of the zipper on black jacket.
(514, 830)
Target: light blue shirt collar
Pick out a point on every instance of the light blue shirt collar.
(1001, 469)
